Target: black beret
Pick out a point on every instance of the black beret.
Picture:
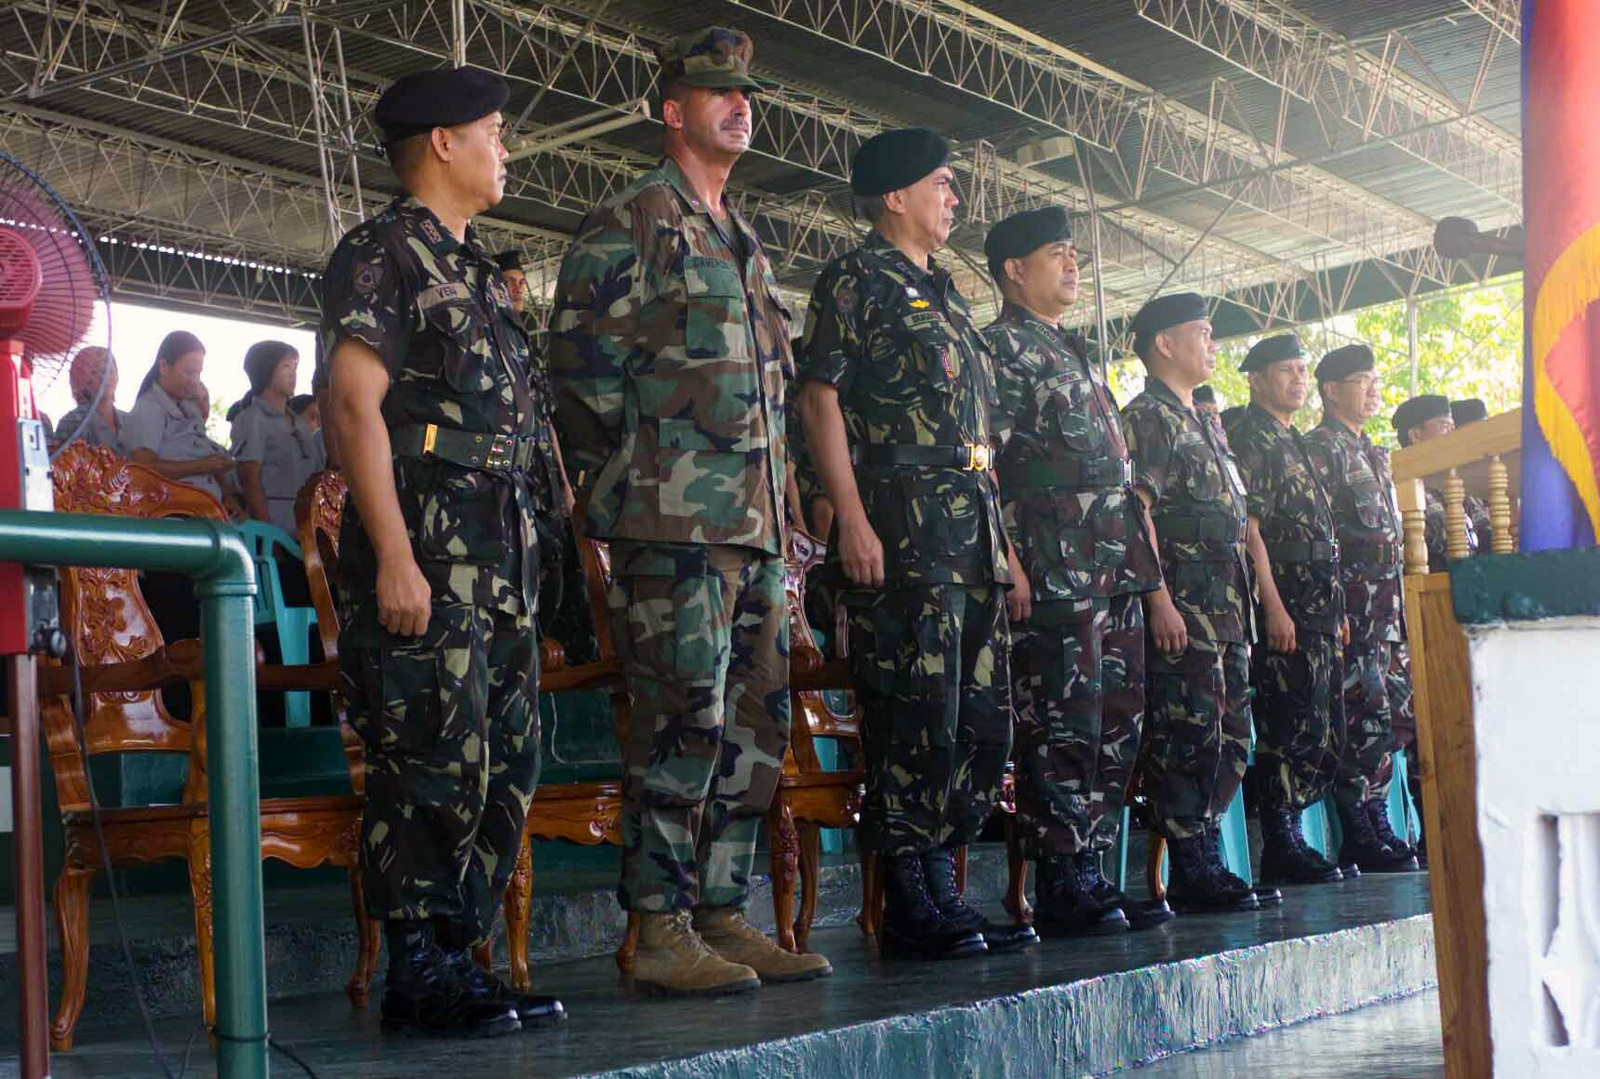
(1469, 411)
(438, 97)
(509, 260)
(1418, 411)
(1163, 313)
(1269, 350)
(895, 159)
(1341, 363)
(1020, 235)
(1204, 395)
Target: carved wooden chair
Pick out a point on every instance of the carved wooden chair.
(122, 662)
(318, 512)
(810, 798)
(586, 813)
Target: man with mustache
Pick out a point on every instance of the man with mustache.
(1199, 622)
(897, 387)
(1377, 687)
(428, 387)
(669, 345)
(1297, 672)
(1077, 622)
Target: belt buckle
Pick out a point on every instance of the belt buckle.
(980, 457)
(430, 435)
(501, 451)
(1333, 545)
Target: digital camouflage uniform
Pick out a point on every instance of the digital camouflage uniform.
(669, 347)
(1355, 472)
(1298, 704)
(928, 652)
(448, 718)
(1197, 723)
(1077, 663)
(1436, 534)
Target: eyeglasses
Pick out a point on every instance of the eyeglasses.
(1367, 382)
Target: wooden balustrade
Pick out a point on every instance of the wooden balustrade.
(1483, 460)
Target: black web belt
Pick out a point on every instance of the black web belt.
(1078, 473)
(470, 449)
(1303, 551)
(1384, 554)
(1200, 530)
(970, 458)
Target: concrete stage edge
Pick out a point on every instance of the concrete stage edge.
(1068, 1008)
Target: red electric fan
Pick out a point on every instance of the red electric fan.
(51, 282)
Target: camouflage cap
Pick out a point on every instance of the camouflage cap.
(713, 57)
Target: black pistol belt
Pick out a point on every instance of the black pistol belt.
(469, 449)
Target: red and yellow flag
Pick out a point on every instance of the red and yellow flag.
(1561, 199)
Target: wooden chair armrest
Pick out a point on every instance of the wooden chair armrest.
(833, 674)
(323, 676)
(552, 656)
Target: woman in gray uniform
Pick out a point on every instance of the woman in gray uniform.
(103, 425)
(276, 453)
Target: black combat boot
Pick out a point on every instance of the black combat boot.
(455, 944)
(1266, 894)
(1285, 856)
(426, 992)
(1378, 812)
(1092, 881)
(939, 870)
(1062, 908)
(1362, 846)
(913, 927)
(1192, 887)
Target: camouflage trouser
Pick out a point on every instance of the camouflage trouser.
(702, 633)
(1402, 723)
(1368, 722)
(930, 665)
(451, 730)
(1299, 720)
(1197, 728)
(1078, 693)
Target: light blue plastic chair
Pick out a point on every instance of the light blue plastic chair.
(1404, 816)
(293, 624)
(1234, 838)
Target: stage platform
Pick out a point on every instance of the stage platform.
(1066, 1008)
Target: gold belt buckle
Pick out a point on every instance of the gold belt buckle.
(429, 437)
(979, 458)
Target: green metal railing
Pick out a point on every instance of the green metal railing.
(224, 574)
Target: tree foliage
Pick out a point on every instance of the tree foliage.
(1469, 344)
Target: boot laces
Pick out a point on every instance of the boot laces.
(682, 938)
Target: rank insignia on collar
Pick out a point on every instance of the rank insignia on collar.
(919, 304)
(911, 292)
(430, 232)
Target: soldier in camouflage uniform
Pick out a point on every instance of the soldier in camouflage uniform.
(1355, 472)
(428, 376)
(1297, 672)
(564, 614)
(1077, 622)
(669, 347)
(897, 386)
(1197, 722)
(1419, 419)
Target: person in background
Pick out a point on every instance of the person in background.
(307, 412)
(166, 430)
(1205, 401)
(103, 425)
(276, 454)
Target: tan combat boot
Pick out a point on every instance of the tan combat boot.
(737, 941)
(673, 961)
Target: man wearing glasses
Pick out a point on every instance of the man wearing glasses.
(1355, 473)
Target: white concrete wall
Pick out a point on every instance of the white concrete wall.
(1536, 692)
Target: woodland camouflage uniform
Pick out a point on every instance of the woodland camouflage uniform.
(669, 346)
